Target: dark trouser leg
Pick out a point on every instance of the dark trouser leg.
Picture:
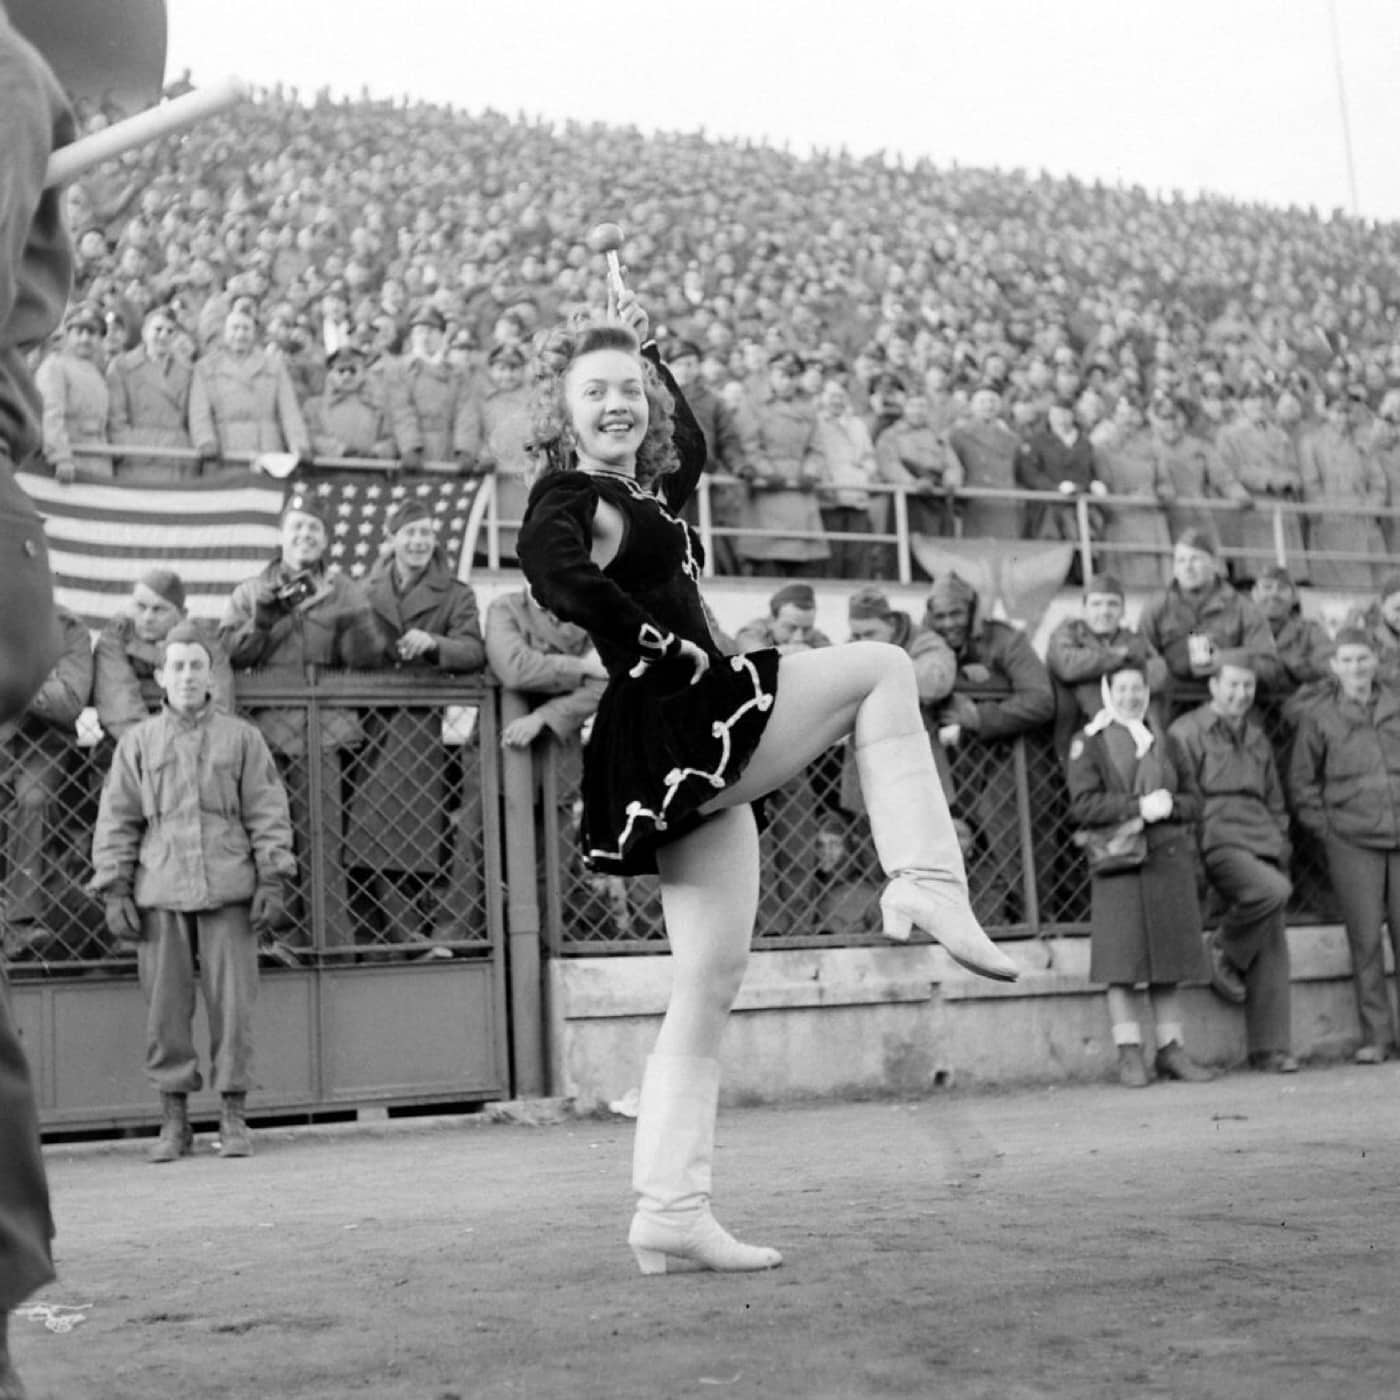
(26, 1227)
(461, 911)
(1254, 939)
(228, 972)
(1360, 877)
(36, 777)
(165, 961)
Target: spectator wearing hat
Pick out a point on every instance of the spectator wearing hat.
(915, 454)
(434, 419)
(1137, 541)
(1188, 467)
(294, 614)
(872, 618)
(844, 501)
(987, 450)
(346, 419)
(126, 688)
(884, 403)
(1263, 459)
(1083, 650)
(783, 473)
(35, 752)
(1243, 836)
(1383, 443)
(148, 391)
(1341, 478)
(190, 851)
(1001, 691)
(400, 831)
(241, 397)
(74, 394)
(725, 447)
(1200, 615)
(1380, 620)
(1344, 779)
(496, 437)
(1057, 457)
(1303, 646)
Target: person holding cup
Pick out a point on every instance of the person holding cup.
(1201, 615)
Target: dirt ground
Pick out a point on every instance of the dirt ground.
(1232, 1240)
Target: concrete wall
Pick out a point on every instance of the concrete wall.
(904, 1019)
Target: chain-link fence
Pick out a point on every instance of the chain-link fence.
(821, 879)
(398, 855)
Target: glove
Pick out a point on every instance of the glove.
(412, 460)
(123, 919)
(65, 473)
(208, 457)
(305, 459)
(267, 908)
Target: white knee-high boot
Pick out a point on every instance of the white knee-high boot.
(918, 849)
(673, 1230)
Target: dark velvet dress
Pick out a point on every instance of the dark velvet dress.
(660, 747)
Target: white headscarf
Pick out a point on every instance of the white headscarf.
(1111, 714)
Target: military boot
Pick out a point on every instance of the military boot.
(176, 1136)
(234, 1138)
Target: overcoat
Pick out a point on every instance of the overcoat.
(149, 403)
(397, 815)
(245, 403)
(1145, 924)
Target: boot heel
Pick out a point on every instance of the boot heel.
(649, 1261)
(898, 924)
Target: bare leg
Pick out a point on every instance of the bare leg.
(709, 891)
(868, 690)
(865, 688)
(709, 894)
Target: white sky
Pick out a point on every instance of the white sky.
(1234, 96)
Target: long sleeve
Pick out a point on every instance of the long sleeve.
(266, 817)
(1091, 803)
(204, 432)
(460, 644)
(68, 687)
(688, 436)
(1031, 702)
(116, 835)
(115, 690)
(520, 665)
(1307, 768)
(289, 416)
(53, 389)
(554, 549)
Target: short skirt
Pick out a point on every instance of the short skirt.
(661, 748)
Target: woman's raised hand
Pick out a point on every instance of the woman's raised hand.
(626, 310)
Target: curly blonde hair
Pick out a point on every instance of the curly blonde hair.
(552, 443)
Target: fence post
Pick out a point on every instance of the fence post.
(1030, 893)
(522, 910)
(1280, 539)
(1085, 533)
(705, 522)
(901, 530)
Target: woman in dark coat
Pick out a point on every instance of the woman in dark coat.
(399, 814)
(1145, 921)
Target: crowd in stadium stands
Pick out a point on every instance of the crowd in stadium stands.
(364, 279)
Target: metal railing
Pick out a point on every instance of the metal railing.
(1287, 521)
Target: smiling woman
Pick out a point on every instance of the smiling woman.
(687, 737)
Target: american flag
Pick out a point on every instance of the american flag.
(216, 532)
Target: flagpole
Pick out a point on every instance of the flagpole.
(1342, 101)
